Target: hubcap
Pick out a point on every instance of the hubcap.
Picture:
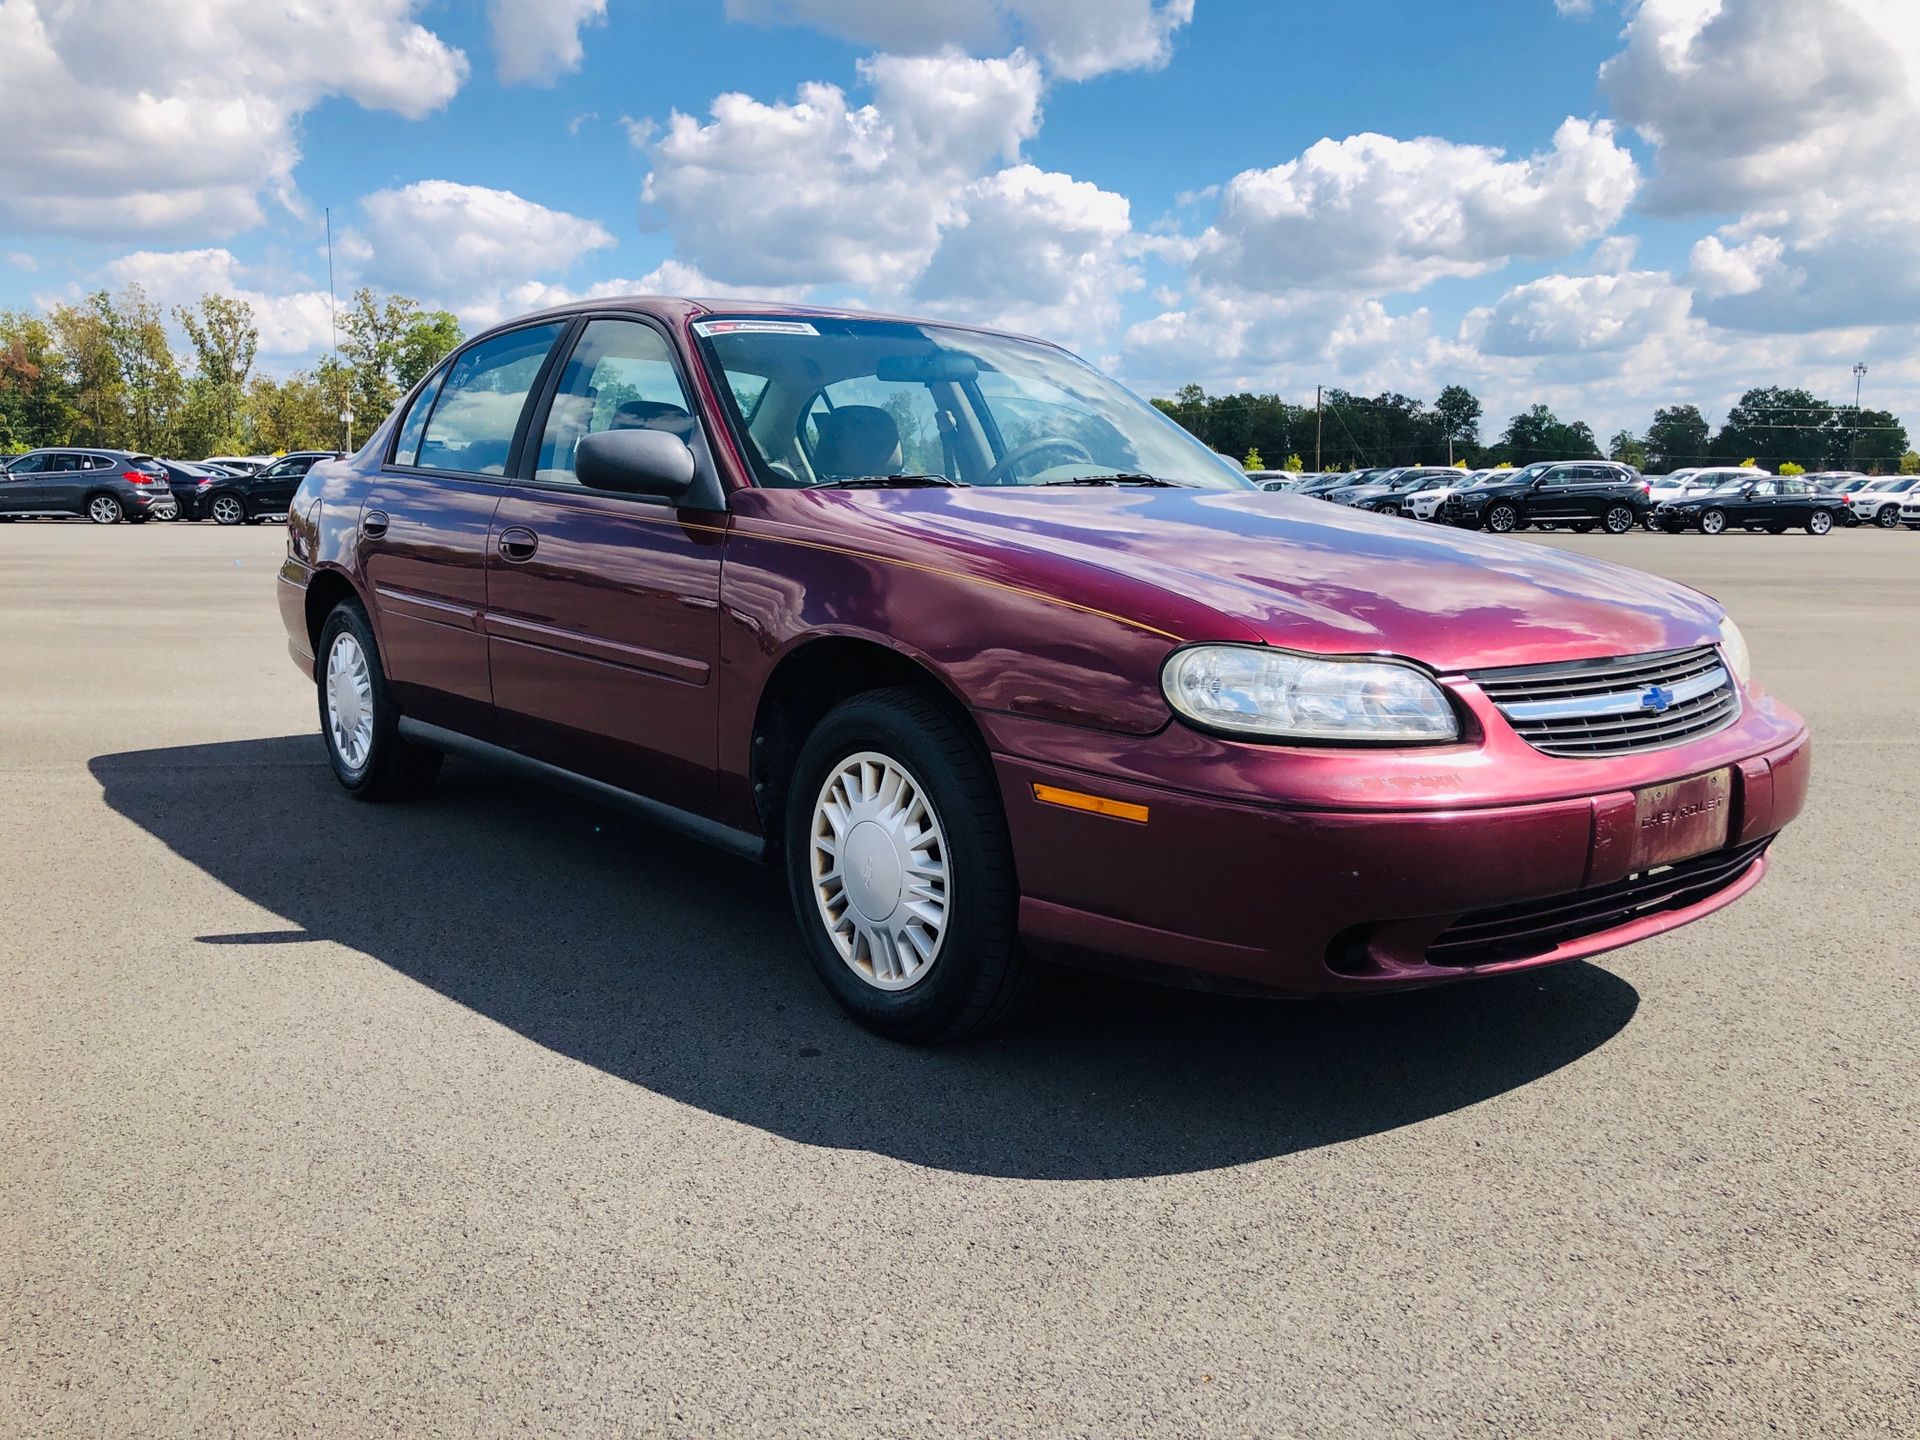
(1822, 522)
(878, 860)
(104, 511)
(1713, 524)
(1501, 519)
(226, 510)
(1619, 521)
(350, 701)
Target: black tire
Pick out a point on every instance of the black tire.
(105, 509)
(1888, 518)
(980, 977)
(1581, 527)
(1819, 522)
(1502, 518)
(1776, 529)
(227, 509)
(395, 768)
(1618, 520)
(1713, 522)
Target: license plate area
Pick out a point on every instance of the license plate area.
(1681, 820)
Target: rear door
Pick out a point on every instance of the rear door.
(427, 523)
(603, 609)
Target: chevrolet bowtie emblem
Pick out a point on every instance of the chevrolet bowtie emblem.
(1656, 699)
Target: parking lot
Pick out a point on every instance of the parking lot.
(497, 1114)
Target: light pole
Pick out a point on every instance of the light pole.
(1859, 374)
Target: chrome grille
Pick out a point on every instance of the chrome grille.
(1615, 706)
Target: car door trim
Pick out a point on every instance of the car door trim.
(429, 609)
(516, 630)
(746, 845)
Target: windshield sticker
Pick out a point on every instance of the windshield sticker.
(753, 327)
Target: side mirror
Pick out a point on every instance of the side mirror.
(635, 462)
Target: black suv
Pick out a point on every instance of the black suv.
(1579, 494)
(106, 486)
(238, 499)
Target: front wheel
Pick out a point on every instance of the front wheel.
(228, 510)
(1888, 518)
(901, 871)
(1618, 519)
(1713, 522)
(1819, 522)
(358, 717)
(1503, 519)
(104, 510)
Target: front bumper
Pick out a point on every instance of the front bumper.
(1221, 893)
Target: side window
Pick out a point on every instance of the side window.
(406, 449)
(28, 465)
(620, 376)
(1766, 487)
(471, 428)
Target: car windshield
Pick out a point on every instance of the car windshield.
(844, 399)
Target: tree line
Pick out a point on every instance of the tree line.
(1773, 426)
(104, 371)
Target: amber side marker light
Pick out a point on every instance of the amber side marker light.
(1092, 804)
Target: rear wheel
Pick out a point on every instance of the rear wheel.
(104, 510)
(1776, 529)
(358, 717)
(1713, 522)
(1502, 519)
(1581, 527)
(901, 871)
(1618, 519)
(228, 510)
(1819, 522)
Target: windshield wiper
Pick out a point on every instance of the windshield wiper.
(885, 482)
(1153, 480)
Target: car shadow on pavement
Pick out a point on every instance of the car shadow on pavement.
(677, 968)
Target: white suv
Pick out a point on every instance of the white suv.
(1423, 503)
(1878, 502)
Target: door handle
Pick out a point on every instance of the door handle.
(373, 524)
(518, 543)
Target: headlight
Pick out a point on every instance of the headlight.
(1252, 690)
(1733, 649)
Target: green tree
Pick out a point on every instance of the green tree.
(34, 408)
(1777, 423)
(149, 374)
(1253, 460)
(1295, 464)
(1628, 448)
(423, 341)
(1538, 434)
(1789, 468)
(90, 375)
(1910, 463)
(1678, 437)
(373, 342)
(1459, 412)
(225, 340)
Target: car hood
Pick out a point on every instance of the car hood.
(1287, 571)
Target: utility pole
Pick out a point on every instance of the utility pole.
(1316, 429)
(333, 328)
(1859, 374)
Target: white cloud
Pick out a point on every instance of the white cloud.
(670, 277)
(1720, 269)
(455, 241)
(148, 118)
(1077, 38)
(291, 323)
(1035, 251)
(1574, 9)
(1373, 214)
(819, 191)
(539, 40)
(1558, 314)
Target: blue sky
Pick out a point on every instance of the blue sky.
(1603, 204)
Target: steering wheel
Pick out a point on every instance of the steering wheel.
(1004, 466)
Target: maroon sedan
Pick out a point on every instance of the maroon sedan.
(1004, 667)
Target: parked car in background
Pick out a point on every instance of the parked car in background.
(1387, 494)
(183, 479)
(999, 665)
(241, 499)
(106, 486)
(1773, 504)
(1338, 479)
(1579, 494)
(1836, 480)
(1910, 509)
(239, 464)
(1425, 504)
(1877, 502)
(1280, 480)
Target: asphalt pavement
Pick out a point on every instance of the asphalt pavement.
(500, 1115)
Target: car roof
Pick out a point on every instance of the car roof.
(678, 309)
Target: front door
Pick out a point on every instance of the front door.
(23, 488)
(427, 522)
(271, 491)
(603, 610)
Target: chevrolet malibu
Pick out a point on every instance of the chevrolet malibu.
(1003, 668)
